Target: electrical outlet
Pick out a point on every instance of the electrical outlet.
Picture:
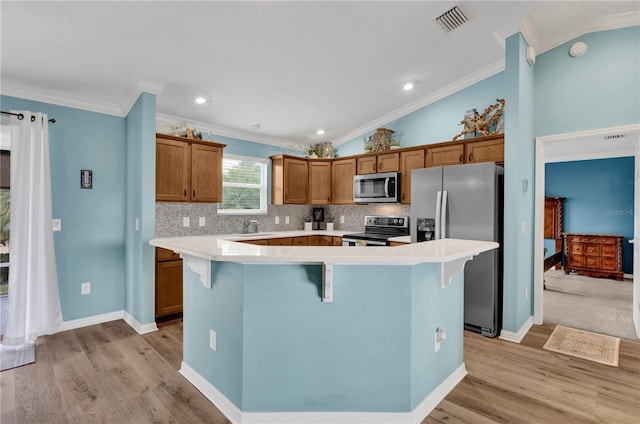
(342, 219)
(286, 220)
(523, 228)
(137, 224)
(212, 340)
(185, 221)
(202, 221)
(56, 224)
(85, 288)
(440, 337)
(526, 293)
(277, 220)
(436, 343)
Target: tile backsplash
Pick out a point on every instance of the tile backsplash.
(170, 215)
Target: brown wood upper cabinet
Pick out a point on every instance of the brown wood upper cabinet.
(382, 162)
(491, 149)
(445, 155)
(342, 173)
(289, 180)
(409, 160)
(319, 181)
(188, 170)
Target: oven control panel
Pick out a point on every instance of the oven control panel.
(387, 221)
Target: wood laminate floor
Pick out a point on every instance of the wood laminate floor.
(108, 373)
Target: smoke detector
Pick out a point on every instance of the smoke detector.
(451, 19)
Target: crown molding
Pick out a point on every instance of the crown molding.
(141, 85)
(162, 118)
(61, 99)
(440, 94)
(607, 23)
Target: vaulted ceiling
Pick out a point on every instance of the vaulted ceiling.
(273, 72)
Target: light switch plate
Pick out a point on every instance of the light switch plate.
(56, 224)
(201, 221)
(286, 220)
(85, 288)
(277, 220)
(185, 221)
(212, 340)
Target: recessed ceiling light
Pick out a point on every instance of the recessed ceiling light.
(408, 86)
(578, 49)
(201, 100)
(320, 132)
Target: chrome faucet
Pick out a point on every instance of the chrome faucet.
(250, 226)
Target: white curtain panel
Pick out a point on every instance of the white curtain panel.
(34, 303)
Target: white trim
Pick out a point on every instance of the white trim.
(109, 316)
(61, 99)
(163, 118)
(440, 94)
(236, 416)
(200, 266)
(92, 320)
(602, 23)
(141, 85)
(140, 328)
(517, 337)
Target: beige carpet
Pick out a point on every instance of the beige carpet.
(600, 305)
(584, 344)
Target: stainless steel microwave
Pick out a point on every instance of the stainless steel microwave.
(377, 188)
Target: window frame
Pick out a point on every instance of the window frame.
(262, 186)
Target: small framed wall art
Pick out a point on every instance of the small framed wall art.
(86, 178)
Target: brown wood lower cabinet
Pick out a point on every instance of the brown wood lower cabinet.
(168, 283)
(316, 240)
(594, 255)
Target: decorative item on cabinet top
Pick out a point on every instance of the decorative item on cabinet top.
(489, 122)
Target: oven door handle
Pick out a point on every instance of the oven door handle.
(375, 243)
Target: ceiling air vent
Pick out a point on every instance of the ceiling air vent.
(451, 19)
(614, 137)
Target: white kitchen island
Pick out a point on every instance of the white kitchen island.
(297, 334)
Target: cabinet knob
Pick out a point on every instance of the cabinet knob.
(380, 166)
(185, 192)
(194, 193)
(470, 157)
(460, 158)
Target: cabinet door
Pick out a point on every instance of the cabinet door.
(206, 173)
(168, 288)
(296, 181)
(445, 155)
(388, 162)
(319, 182)
(367, 165)
(284, 241)
(409, 160)
(172, 170)
(342, 173)
(485, 151)
(300, 241)
(337, 241)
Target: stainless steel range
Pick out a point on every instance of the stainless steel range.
(378, 230)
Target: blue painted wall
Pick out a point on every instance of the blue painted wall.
(518, 186)
(438, 121)
(599, 198)
(140, 203)
(273, 331)
(597, 90)
(91, 245)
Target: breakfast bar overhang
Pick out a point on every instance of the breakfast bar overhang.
(323, 334)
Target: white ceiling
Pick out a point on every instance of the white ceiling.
(292, 67)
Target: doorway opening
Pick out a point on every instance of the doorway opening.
(582, 146)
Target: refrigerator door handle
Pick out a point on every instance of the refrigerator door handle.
(443, 219)
(438, 210)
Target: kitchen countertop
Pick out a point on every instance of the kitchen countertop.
(229, 247)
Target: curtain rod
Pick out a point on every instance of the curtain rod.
(21, 116)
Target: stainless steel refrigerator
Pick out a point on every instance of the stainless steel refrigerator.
(465, 202)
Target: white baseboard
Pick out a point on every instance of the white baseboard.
(517, 337)
(110, 316)
(140, 328)
(92, 320)
(236, 416)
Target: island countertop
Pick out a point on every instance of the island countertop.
(229, 247)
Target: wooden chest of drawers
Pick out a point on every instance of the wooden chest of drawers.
(594, 255)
